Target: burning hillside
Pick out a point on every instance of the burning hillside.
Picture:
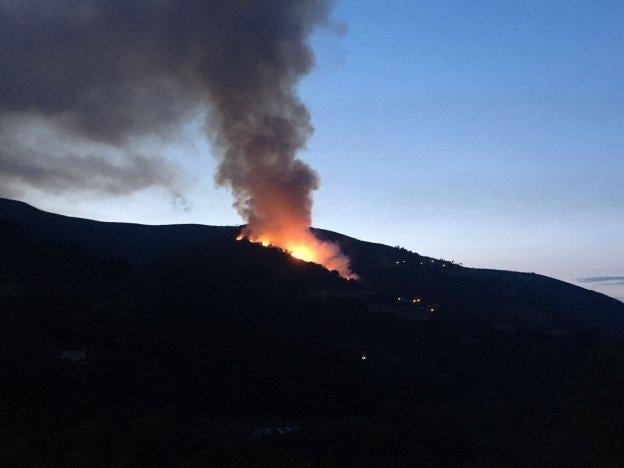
(303, 245)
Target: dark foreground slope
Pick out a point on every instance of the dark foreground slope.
(198, 347)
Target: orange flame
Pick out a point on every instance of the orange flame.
(306, 247)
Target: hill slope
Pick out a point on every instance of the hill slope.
(199, 347)
(506, 298)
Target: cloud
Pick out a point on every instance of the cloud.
(602, 280)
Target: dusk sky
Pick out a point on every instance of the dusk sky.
(489, 133)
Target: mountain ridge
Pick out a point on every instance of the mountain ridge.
(388, 273)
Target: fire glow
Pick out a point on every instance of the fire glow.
(306, 247)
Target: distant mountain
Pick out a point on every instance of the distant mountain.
(506, 297)
(387, 273)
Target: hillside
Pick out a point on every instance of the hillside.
(197, 348)
(387, 273)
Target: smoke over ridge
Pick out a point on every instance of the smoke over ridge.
(91, 78)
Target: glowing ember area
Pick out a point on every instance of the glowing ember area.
(304, 246)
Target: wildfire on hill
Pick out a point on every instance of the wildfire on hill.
(303, 245)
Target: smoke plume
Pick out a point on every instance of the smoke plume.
(91, 78)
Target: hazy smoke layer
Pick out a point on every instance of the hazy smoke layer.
(89, 78)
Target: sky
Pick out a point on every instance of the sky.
(486, 132)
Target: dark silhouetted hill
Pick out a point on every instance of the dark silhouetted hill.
(507, 298)
(198, 347)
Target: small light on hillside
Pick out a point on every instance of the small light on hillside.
(364, 357)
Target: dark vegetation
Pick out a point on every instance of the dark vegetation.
(194, 341)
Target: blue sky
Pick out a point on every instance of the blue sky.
(487, 132)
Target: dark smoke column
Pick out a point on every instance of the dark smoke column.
(259, 124)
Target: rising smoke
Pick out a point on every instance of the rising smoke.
(83, 81)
